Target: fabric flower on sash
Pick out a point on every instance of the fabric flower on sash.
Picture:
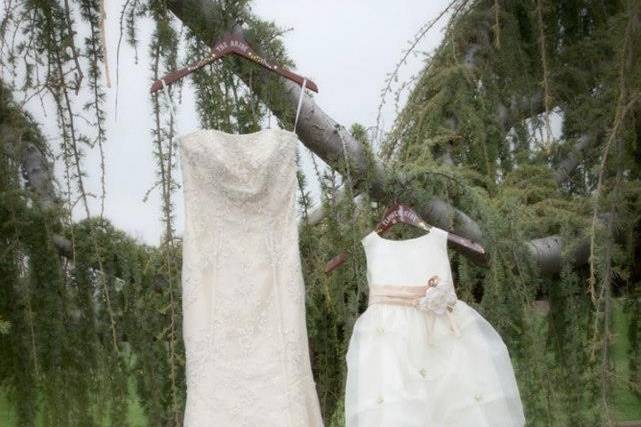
(439, 300)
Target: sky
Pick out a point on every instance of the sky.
(346, 47)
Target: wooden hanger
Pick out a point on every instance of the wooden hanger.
(400, 213)
(232, 43)
(403, 214)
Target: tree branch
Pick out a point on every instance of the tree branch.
(330, 141)
(326, 138)
(565, 168)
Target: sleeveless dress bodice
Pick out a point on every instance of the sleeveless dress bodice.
(418, 263)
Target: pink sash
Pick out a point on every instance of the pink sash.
(428, 298)
(399, 295)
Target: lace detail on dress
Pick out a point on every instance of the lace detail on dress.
(243, 296)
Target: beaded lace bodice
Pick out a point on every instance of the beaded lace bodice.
(237, 189)
(247, 360)
(233, 174)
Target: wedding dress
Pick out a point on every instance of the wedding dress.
(247, 357)
(418, 356)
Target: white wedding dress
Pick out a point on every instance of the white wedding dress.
(247, 358)
(418, 357)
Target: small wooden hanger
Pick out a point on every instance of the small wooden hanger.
(232, 43)
(403, 214)
(400, 213)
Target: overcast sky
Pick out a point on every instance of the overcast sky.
(346, 47)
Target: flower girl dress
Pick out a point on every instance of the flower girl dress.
(418, 356)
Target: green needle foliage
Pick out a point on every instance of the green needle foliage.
(517, 91)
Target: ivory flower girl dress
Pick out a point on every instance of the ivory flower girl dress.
(418, 357)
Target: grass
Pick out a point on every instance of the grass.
(135, 414)
(6, 411)
(627, 405)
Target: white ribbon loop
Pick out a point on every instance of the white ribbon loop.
(300, 103)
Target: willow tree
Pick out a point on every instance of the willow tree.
(90, 318)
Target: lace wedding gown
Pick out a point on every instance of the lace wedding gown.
(418, 357)
(247, 359)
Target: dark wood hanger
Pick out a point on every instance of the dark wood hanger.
(400, 213)
(232, 43)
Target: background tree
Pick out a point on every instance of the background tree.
(522, 132)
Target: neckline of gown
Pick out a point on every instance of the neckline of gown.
(237, 136)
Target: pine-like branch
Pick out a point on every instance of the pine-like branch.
(329, 140)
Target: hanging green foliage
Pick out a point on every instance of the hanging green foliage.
(527, 118)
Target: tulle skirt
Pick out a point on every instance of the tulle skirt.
(407, 368)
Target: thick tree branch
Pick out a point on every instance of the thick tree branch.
(565, 168)
(36, 169)
(331, 142)
(324, 136)
(25, 144)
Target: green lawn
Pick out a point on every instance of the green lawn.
(627, 404)
(135, 414)
(5, 410)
